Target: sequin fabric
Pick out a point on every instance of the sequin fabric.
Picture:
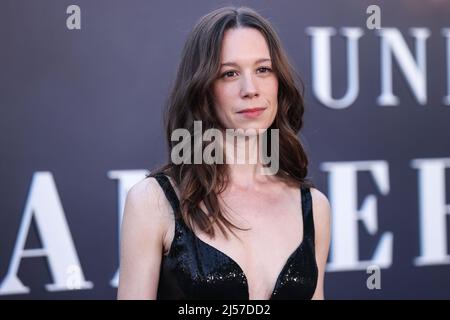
(193, 269)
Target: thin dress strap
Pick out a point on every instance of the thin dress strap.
(308, 220)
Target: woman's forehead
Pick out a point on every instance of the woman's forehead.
(243, 45)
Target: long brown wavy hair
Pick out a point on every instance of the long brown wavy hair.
(191, 100)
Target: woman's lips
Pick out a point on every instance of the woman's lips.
(252, 112)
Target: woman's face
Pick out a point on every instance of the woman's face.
(246, 81)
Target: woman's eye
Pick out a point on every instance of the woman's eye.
(265, 69)
(228, 74)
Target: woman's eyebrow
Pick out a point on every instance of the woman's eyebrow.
(234, 64)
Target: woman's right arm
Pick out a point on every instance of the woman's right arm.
(141, 245)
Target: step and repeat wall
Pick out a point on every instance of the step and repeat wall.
(82, 91)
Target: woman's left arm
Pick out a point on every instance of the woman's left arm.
(322, 222)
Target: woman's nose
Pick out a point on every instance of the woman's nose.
(249, 86)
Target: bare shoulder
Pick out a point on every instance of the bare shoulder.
(321, 208)
(147, 198)
(147, 210)
(145, 222)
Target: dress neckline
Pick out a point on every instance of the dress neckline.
(241, 271)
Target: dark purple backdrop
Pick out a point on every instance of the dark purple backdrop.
(83, 104)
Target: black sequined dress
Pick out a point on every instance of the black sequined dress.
(193, 269)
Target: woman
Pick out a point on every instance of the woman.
(229, 230)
